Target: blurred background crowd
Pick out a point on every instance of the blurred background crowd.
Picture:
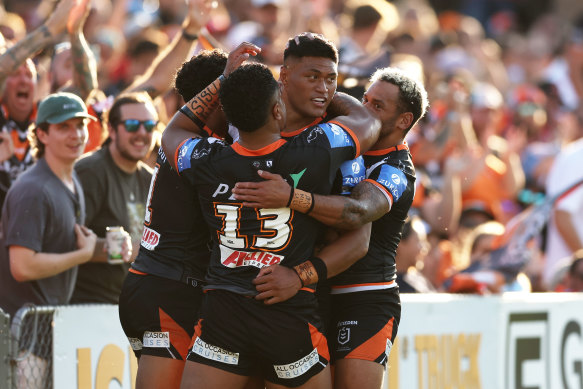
(499, 156)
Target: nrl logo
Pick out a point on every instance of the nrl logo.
(343, 335)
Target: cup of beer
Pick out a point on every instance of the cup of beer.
(114, 237)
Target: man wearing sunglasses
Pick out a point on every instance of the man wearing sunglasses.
(116, 182)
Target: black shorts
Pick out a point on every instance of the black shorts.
(158, 315)
(364, 324)
(283, 342)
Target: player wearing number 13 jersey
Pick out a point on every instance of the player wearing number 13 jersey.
(237, 334)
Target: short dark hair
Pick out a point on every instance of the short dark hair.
(197, 73)
(365, 16)
(308, 44)
(114, 114)
(412, 94)
(247, 96)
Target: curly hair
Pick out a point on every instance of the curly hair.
(247, 96)
(197, 73)
(37, 148)
(308, 44)
(412, 93)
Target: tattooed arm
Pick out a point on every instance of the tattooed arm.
(190, 119)
(84, 65)
(36, 40)
(365, 204)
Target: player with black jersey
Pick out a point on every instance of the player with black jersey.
(162, 293)
(365, 303)
(238, 336)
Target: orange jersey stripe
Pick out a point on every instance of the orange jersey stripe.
(132, 270)
(319, 342)
(402, 146)
(384, 190)
(262, 151)
(375, 346)
(291, 134)
(179, 337)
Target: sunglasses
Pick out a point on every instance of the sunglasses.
(133, 125)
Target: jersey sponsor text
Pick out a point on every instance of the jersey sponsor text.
(236, 258)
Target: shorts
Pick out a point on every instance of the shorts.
(283, 342)
(364, 324)
(158, 315)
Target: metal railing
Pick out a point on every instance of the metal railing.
(30, 348)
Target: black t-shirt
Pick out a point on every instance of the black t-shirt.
(175, 242)
(247, 239)
(113, 198)
(392, 172)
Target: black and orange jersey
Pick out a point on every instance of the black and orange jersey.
(391, 171)
(247, 239)
(175, 241)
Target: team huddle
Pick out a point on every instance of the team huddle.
(272, 222)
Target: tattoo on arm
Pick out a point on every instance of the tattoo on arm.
(340, 105)
(204, 103)
(85, 69)
(366, 203)
(25, 48)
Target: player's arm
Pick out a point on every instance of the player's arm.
(352, 115)
(366, 203)
(278, 283)
(190, 119)
(28, 265)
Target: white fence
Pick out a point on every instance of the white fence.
(445, 342)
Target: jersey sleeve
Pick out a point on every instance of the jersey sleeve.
(391, 181)
(351, 173)
(341, 136)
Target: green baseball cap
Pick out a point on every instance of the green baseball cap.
(62, 106)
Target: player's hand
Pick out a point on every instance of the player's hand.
(276, 284)
(240, 55)
(274, 192)
(86, 240)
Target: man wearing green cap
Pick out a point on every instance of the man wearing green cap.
(43, 234)
(42, 222)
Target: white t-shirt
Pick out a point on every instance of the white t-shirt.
(565, 172)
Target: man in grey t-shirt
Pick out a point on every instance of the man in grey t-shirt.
(43, 237)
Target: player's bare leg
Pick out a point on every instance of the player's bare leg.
(157, 372)
(357, 374)
(199, 376)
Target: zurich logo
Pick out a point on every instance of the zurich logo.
(395, 178)
(355, 167)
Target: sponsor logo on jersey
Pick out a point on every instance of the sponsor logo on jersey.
(395, 179)
(156, 339)
(135, 343)
(214, 353)
(150, 239)
(236, 258)
(355, 166)
(297, 368)
(297, 176)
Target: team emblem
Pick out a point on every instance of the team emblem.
(343, 335)
(395, 178)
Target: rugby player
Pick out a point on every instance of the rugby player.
(162, 293)
(365, 299)
(230, 342)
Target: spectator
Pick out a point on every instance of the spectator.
(43, 234)
(565, 230)
(116, 184)
(411, 252)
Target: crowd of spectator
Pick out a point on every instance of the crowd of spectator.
(499, 190)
